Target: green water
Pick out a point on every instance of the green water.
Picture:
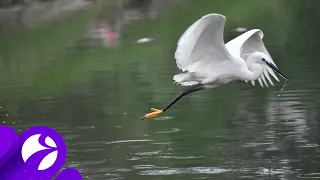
(95, 97)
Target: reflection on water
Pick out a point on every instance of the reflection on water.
(236, 131)
(195, 170)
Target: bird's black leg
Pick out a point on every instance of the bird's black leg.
(195, 88)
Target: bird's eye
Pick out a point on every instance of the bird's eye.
(264, 60)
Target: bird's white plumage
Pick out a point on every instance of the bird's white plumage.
(204, 38)
(204, 58)
(250, 42)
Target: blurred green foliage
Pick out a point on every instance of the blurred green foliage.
(135, 77)
(39, 58)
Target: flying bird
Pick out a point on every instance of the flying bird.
(207, 62)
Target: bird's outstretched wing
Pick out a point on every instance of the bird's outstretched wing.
(203, 39)
(250, 42)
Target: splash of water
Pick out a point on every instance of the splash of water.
(284, 85)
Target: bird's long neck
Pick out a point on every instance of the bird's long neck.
(253, 71)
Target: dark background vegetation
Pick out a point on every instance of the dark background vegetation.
(95, 95)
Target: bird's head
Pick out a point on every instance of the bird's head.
(262, 59)
(272, 66)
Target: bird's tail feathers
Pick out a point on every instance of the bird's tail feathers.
(185, 79)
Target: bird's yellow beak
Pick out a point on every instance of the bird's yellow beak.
(155, 113)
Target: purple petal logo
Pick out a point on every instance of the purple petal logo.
(41, 155)
(31, 146)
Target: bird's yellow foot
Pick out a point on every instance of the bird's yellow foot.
(155, 113)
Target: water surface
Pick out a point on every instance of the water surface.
(95, 97)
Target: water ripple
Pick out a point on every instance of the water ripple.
(310, 176)
(179, 157)
(144, 166)
(147, 153)
(171, 131)
(128, 141)
(193, 170)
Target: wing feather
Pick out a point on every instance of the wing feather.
(250, 42)
(268, 77)
(264, 80)
(260, 82)
(203, 39)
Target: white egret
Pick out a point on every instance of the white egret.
(207, 62)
